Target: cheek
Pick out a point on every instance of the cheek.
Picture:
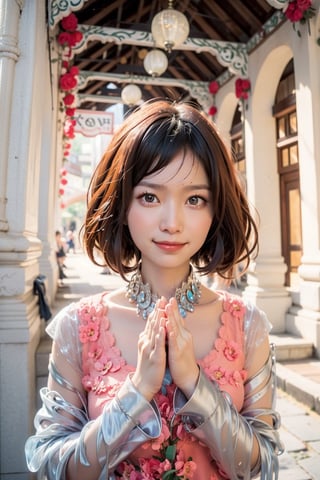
(202, 227)
(138, 223)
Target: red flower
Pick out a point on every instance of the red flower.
(70, 112)
(304, 4)
(242, 87)
(67, 82)
(299, 11)
(74, 70)
(61, 191)
(68, 99)
(65, 38)
(76, 37)
(245, 84)
(70, 22)
(293, 12)
(213, 110)
(63, 181)
(214, 87)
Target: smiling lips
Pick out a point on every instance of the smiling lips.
(169, 246)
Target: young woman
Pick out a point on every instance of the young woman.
(166, 378)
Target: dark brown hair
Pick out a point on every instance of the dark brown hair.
(148, 139)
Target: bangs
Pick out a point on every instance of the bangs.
(160, 143)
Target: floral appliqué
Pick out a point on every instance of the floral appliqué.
(225, 363)
(100, 355)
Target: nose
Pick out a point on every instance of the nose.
(171, 218)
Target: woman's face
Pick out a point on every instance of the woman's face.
(170, 213)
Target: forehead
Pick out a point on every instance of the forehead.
(184, 168)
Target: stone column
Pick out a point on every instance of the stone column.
(304, 316)
(266, 276)
(9, 54)
(25, 110)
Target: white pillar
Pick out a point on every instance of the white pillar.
(25, 112)
(267, 274)
(304, 316)
(9, 54)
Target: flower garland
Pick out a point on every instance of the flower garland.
(63, 183)
(300, 11)
(213, 89)
(67, 38)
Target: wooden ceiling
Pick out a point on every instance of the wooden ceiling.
(219, 20)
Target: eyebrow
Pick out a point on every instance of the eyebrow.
(160, 186)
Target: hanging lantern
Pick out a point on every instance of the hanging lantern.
(131, 94)
(155, 62)
(169, 28)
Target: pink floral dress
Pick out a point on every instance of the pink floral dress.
(176, 453)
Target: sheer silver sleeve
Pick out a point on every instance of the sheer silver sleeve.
(126, 422)
(211, 417)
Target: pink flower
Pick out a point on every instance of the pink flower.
(149, 468)
(103, 365)
(163, 437)
(89, 332)
(235, 378)
(127, 471)
(164, 466)
(108, 363)
(165, 408)
(231, 349)
(219, 375)
(95, 353)
(235, 307)
(185, 469)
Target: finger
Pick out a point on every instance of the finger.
(174, 316)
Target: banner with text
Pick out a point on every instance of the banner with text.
(91, 123)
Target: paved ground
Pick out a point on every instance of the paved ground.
(300, 429)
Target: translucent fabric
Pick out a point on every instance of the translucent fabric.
(224, 424)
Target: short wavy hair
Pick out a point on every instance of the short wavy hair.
(146, 142)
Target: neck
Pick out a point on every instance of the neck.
(187, 294)
(164, 282)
